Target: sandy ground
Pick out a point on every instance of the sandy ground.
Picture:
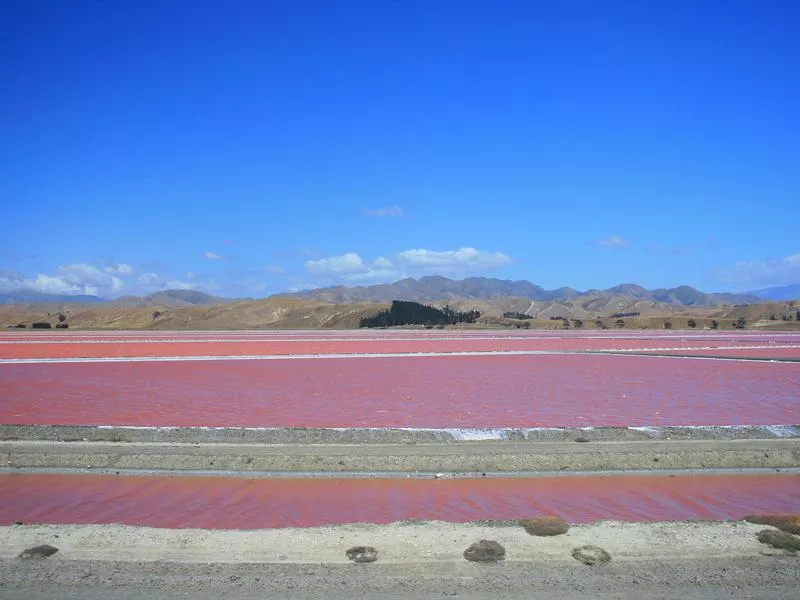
(424, 560)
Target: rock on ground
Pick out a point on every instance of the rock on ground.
(545, 526)
(485, 551)
(591, 555)
(779, 539)
(787, 523)
(362, 554)
(42, 551)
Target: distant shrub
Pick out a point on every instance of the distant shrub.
(715, 324)
(619, 323)
(21, 326)
(62, 317)
(624, 314)
(692, 323)
(41, 325)
(62, 325)
(667, 325)
(740, 323)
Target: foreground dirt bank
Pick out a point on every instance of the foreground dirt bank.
(655, 560)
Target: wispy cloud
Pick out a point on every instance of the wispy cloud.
(211, 256)
(107, 282)
(274, 269)
(763, 273)
(352, 268)
(74, 279)
(120, 269)
(448, 261)
(613, 242)
(387, 211)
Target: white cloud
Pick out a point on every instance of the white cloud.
(274, 269)
(461, 261)
(176, 284)
(763, 273)
(613, 242)
(345, 264)
(48, 284)
(148, 279)
(211, 256)
(77, 279)
(86, 277)
(351, 268)
(70, 279)
(120, 269)
(387, 211)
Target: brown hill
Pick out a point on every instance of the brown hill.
(170, 298)
(293, 313)
(247, 314)
(441, 289)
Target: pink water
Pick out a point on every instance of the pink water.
(439, 391)
(238, 503)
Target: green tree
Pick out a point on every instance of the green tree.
(667, 325)
(714, 324)
(740, 323)
(692, 323)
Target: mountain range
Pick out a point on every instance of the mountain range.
(784, 292)
(437, 289)
(166, 298)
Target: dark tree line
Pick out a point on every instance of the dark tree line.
(413, 313)
(516, 315)
(621, 315)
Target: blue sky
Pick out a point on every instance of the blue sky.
(247, 148)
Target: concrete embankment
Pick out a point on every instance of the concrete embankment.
(381, 451)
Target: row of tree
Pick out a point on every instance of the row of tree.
(413, 313)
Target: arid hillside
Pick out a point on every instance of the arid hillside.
(292, 313)
(247, 314)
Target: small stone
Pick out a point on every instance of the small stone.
(779, 539)
(545, 526)
(42, 551)
(591, 555)
(362, 554)
(485, 551)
